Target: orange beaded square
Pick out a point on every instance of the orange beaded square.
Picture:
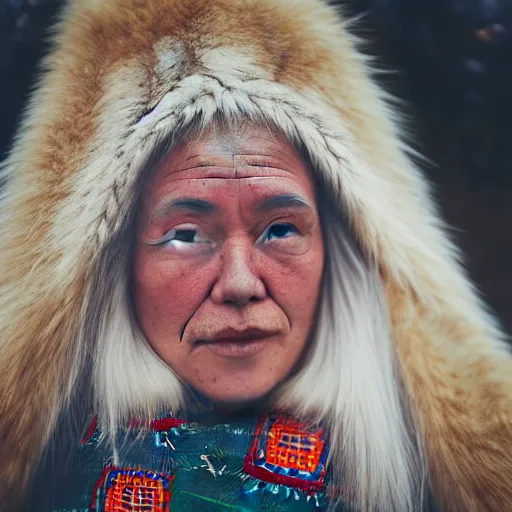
(290, 447)
(123, 490)
(286, 452)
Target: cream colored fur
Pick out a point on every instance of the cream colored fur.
(126, 74)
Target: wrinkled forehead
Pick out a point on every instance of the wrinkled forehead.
(235, 153)
(241, 145)
(248, 167)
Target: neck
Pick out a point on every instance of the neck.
(199, 408)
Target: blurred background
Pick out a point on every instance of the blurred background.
(451, 60)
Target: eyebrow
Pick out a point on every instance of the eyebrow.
(283, 201)
(190, 204)
(202, 207)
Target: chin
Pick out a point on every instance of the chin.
(239, 398)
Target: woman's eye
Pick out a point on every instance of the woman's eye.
(185, 237)
(278, 231)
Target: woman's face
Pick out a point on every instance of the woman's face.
(228, 263)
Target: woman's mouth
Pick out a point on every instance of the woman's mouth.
(237, 344)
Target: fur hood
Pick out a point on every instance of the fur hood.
(123, 75)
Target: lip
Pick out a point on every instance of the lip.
(237, 344)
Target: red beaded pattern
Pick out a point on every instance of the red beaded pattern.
(132, 490)
(289, 453)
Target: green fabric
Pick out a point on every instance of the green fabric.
(207, 461)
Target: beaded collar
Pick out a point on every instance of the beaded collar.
(269, 463)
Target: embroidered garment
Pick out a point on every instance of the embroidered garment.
(273, 464)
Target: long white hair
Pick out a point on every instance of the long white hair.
(348, 379)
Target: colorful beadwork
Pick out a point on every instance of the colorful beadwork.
(91, 430)
(158, 425)
(132, 490)
(164, 424)
(286, 452)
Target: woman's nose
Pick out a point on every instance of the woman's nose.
(238, 282)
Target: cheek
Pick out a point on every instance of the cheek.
(166, 296)
(295, 285)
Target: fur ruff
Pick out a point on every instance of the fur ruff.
(125, 74)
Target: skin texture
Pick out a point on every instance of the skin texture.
(229, 303)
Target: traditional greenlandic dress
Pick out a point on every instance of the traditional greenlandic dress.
(271, 463)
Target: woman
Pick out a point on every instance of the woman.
(224, 284)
